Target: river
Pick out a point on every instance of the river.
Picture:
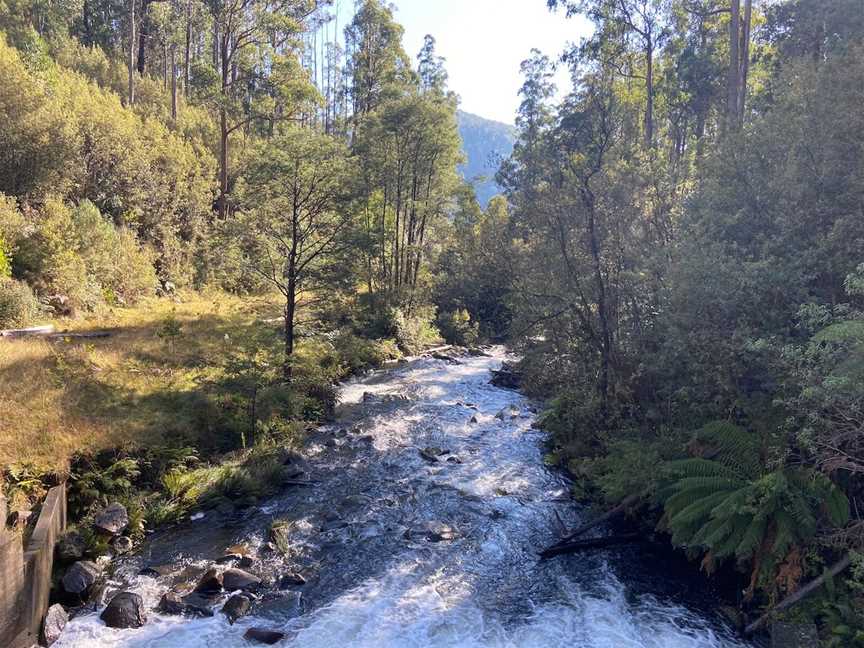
(401, 550)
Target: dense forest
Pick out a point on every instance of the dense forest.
(677, 252)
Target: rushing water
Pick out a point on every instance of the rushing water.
(376, 578)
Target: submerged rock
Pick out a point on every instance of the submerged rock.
(237, 606)
(261, 635)
(55, 621)
(195, 605)
(126, 610)
(112, 520)
(291, 580)
(431, 453)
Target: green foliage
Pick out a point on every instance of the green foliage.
(415, 332)
(18, 305)
(96, 481)
(457, 328)
(732, 506)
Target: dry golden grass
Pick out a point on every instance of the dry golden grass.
(133, 387)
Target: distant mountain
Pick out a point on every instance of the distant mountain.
(485, 143)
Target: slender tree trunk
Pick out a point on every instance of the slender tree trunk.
(142, 38)
(224, 132)
(290, 312)
(602, 306)
(734, 74)
(745, 59)
(188, 51)
(131, 52)
(165, 66)
(173, 82)
(649, 86)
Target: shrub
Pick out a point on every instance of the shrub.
(415, 332)
(18, 304)
(457, 328)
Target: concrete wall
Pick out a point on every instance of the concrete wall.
(25, 574)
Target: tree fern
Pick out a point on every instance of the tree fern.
(730, 505)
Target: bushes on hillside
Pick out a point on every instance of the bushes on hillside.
(18, 304)
(77, 253)
(65, 136)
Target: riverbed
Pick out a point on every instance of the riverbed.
(429, 502)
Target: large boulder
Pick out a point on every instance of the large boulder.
(112, 520)
(237, 606)
(71, 547)
(193, 605)
(261, 635)
(80, 579)
(126, 610)
(237, 579)
(507, 377)
(210, 583)
(55, 621)
(291, 580)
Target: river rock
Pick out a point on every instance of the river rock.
(126, 610)
(122, 545)
(211, 582)
(228, 559)
(79, 580)
(507, 377)
(112, 520)
(55, 621)
(261, 635)
(237, 579)
(291, 580)
(454, 459)
(431, 453)
(195, 605)
(439, 532)
(237, 606)
(71, 547)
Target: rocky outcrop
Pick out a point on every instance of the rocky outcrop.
(112, 520)
(126, 610)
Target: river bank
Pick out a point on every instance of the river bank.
(430, 500)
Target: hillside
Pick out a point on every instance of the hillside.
(486, 143)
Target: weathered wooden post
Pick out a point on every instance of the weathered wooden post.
(11, 581)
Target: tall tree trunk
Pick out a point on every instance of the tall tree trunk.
(744, 63)
(224, 132)
(602, 305)
(131, 96)
(173, 82)
(734, 74)
(188, 51)
(165, 66)
(649, 87)
(144, 33)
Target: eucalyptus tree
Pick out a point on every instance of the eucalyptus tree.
(296, 209)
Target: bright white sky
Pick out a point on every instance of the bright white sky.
(484, 41)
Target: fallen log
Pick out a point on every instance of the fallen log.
(590, 543)
(626, 503)
(28, 332)
(79, 336)
(799, 594)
